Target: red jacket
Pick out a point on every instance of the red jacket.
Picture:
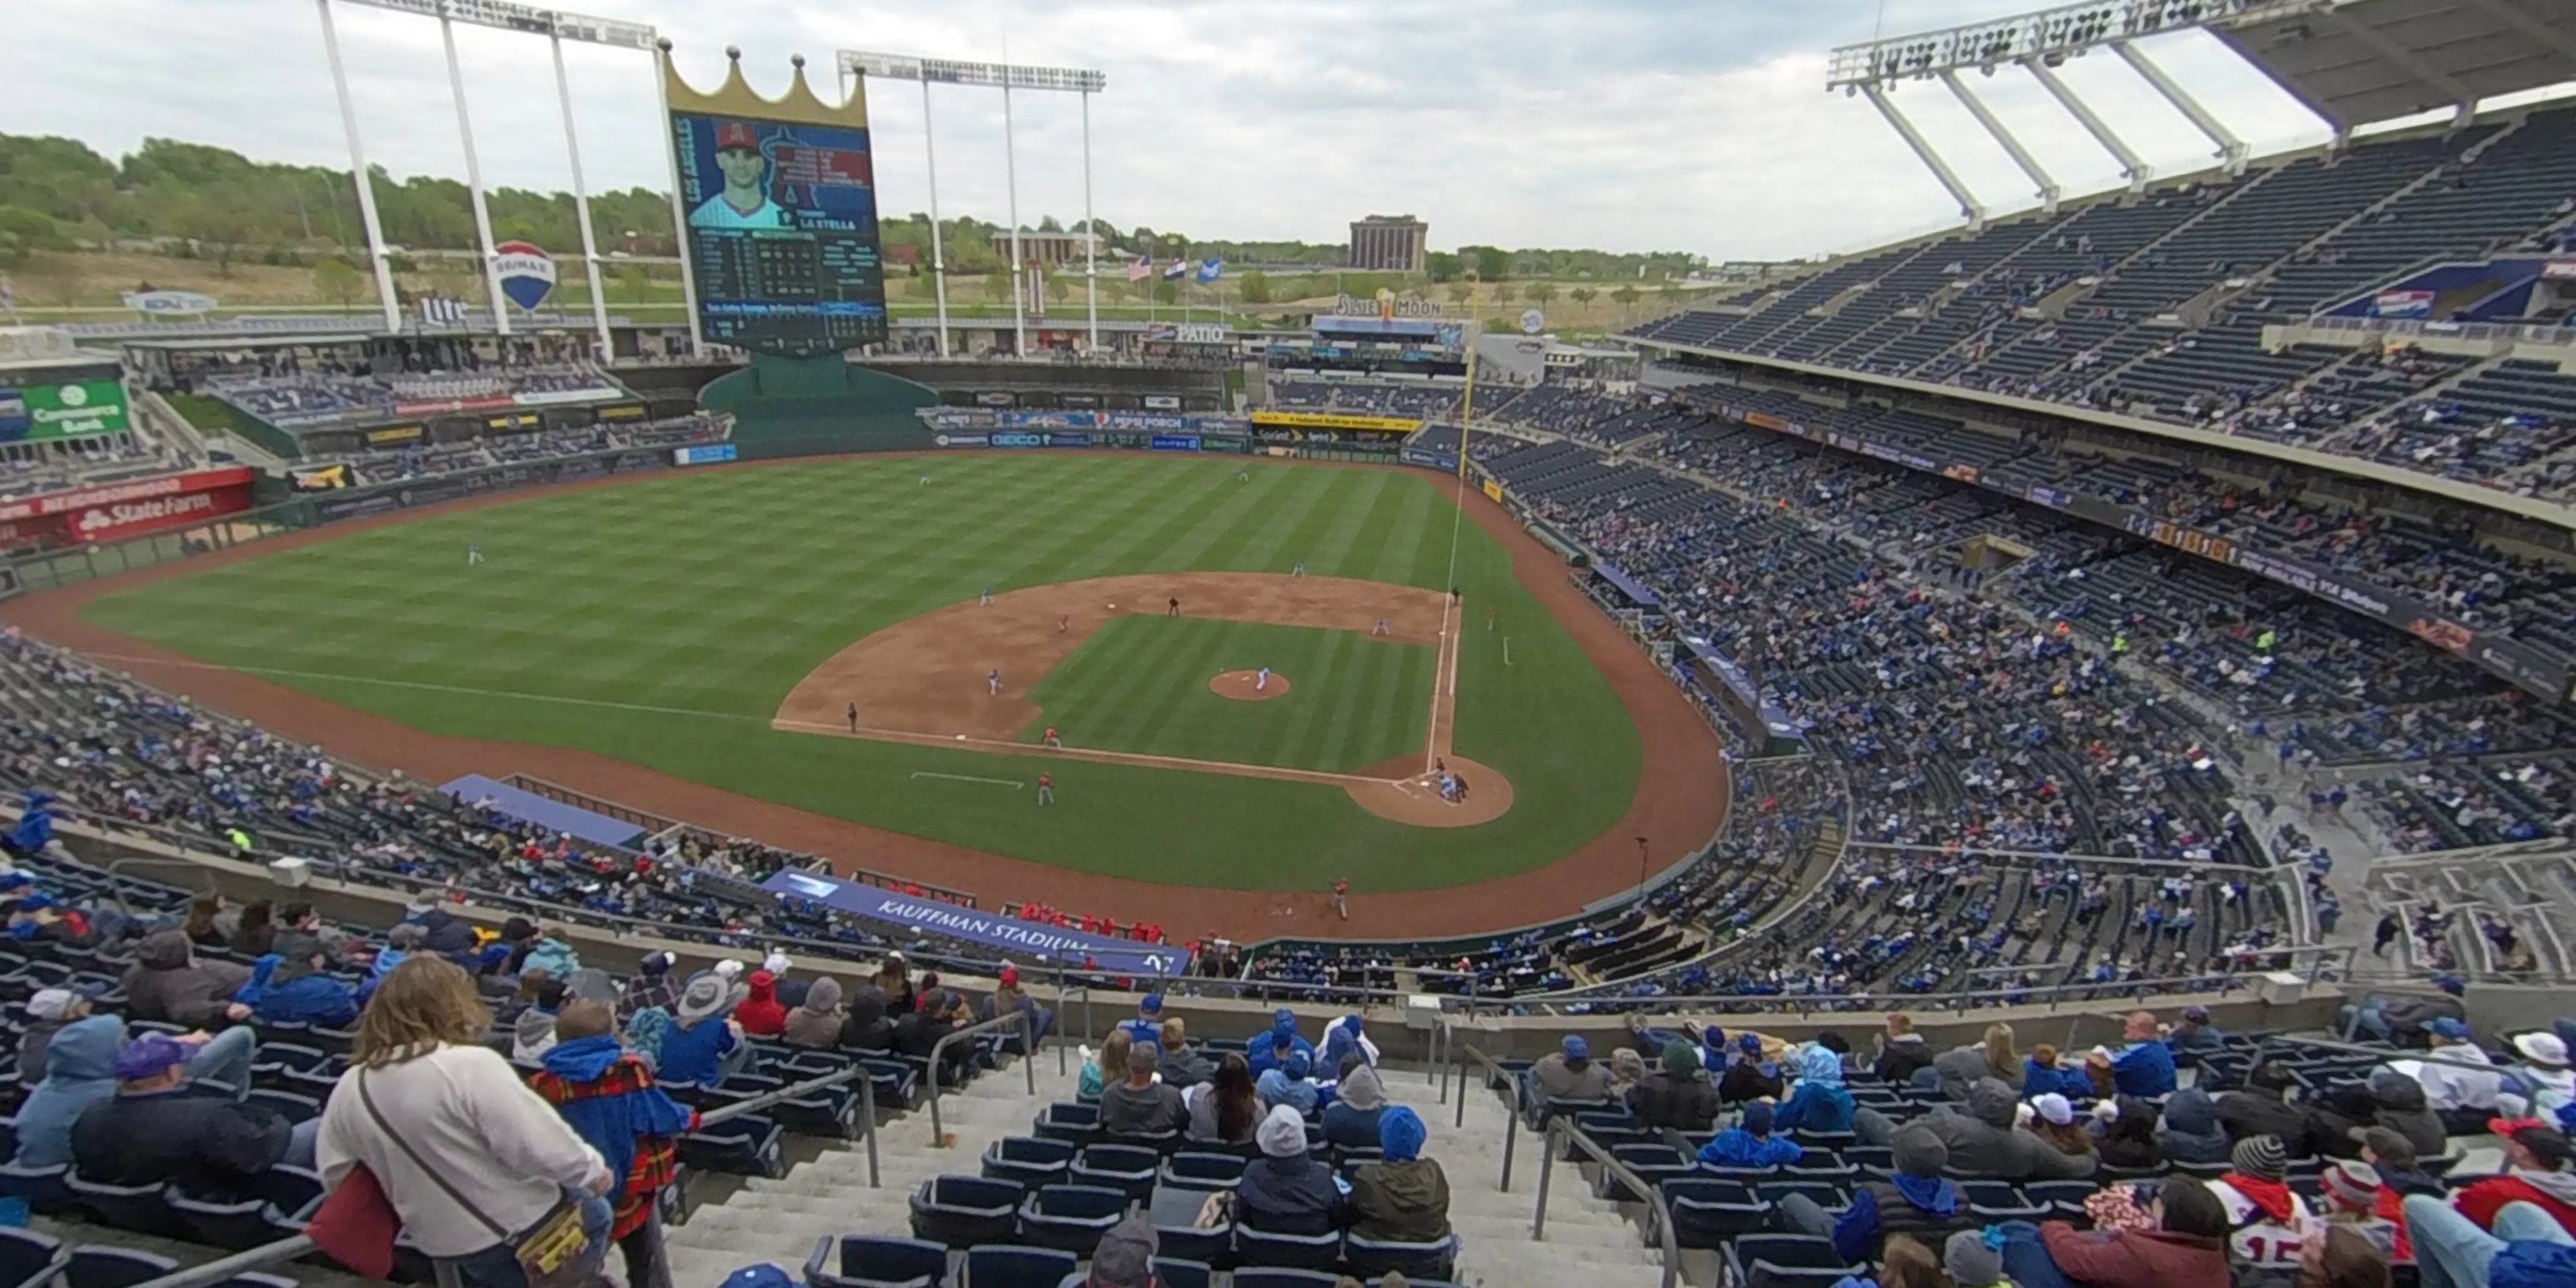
(2479, 1200)
(2135, 1258)
(760, 1011)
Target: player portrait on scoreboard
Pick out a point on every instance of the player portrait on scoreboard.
(745, 200)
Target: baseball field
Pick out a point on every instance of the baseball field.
(716, 627)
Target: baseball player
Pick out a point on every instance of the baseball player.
(988, 597)
(1380, 628)
(993, 682)
(854, 717)
(1489, 617)
(925, 480)
(1261, 680)
(1046, 788)
(1299, 570)
(1243, 476)
(1175, 610)
(1051, 740)
(1063, 623)
(473, 554)
(1342, 897)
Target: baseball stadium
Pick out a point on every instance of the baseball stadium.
(882, 751)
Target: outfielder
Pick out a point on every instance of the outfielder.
(993, 682)
(1046, 788)
(473, 554)
(1053, 741)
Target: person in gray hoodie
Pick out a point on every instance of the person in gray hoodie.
(816, 1021)
(167, 984)
(1986, 1141)
(2191, 1131)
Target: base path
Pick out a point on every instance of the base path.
(1680, 801)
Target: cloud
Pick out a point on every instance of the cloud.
(1626, 124)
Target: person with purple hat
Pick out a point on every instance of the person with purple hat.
(159, 1129)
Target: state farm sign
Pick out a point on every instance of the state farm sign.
(132, 518)
(91, 516)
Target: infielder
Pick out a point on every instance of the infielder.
(988, 597)
(1046, 788)
(1261, 681)
(854, 717)
(1063, 623)
(473, 554)
(993, 682)
(1380, 628)
(1299, 570)
(1053, 741)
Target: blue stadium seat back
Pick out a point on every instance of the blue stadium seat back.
(2106, 1175)
(831, 1113)
(144, 1209)
(746, 1146)
(296, 1108)
(2204, 1171)
(1172, 1273)
(1213, 1245)
(1869, 1158)
(1708, 1212)
(897, 1084)
(1612, 1130)
(875, 1261)
(1075, 1123)
(1196, 1169)
(236, 1224)
(1129, 1169)
(1814, 1166)
(962, 1211)
(100, 1267)
(43, 1188)
(248, 1280)
(1030, 1160)
(1830, 1197)
(1283, 1277)
(1014, 1266)
(2065, 1199)
(1350, 1158)
(1165, 1142)
(25, 1254)
(317, 1082)
(1370, 1257)
(1301, 1251)
(1071, 1217)
(1830, 1141)
(1806, 1250)
(1990, 1193)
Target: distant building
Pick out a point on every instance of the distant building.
(1389, 243)
(1053, 250)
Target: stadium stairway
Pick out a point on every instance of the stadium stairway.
(765, 1219)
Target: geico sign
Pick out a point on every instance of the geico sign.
(132, 513)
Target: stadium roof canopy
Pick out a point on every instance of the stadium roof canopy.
(2355, 62)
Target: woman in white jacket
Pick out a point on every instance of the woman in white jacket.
(486, 1158)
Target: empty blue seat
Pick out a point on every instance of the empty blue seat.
(1030, 1160)
(1708, 1212)
(746, 1146)
(1011, 1266)
(2065, 1199)
(25, 1254)
(1786, 1261)
(1071, 1217)
(1078, 1124)
(140, 1208)
(1653, 1164)
(238, 1224)
(962, 1211)
(1303, 1251)
(1128, 1169)
(1283, 1277)
(1367, 1257)
(1213, 1245)
(1198, 1170)
(98, 1267)
(872, 1261)
(1172, 1273)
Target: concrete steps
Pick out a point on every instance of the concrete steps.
(765, 1219)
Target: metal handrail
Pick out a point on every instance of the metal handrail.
(224, 1268)
(2384, 1054)
(1028, 1061)
(2053, 994)
(1511, 1120)
(860, 1073)
(1560, 1128)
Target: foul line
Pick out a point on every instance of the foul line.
(423, 685)
(1507, 650)
(1012, 783)
(1444, 673)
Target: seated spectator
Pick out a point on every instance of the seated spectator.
(1627, 1069)
(761, 1014)
(2536, 1172)
(703, 1044)
(1266, 1052)
(608, 1096)
(2194, 1037)
(1227, 1109)
(48, 1010)
(1359, 1101)
(254, 932)
(1141, 1106)
(2041, 1074)
(400, 942)
(1404, 1198)
(894, 978)
(1821, 1102)
(1902, 1052)
(868, 1028)
(1750, 1077)
(917, 1035)
(1914, 1201)
(1970, 1258)
(200, 924)
(817, 1021)
(1290, 1084)
(650, 985)
(2524, 1250)
(1007, 997)
(42, 918)
(2053, 1121)
(2128, 1137)
(2191, 1132)
(1284, 1191)
(1107, 1067)
(80, 1071)
(2542, 1084)
(533, 1033)
(1147, 1027)
(1569, 1073)
(160, 1131)
(1986, 1140)
(2263, 1108)
(1125, 1256)
(1992, 1057)
(1677, 1096)
(2185, 1247)
(2351, 1193)
(1348, 1036)
(2462, 1098)
(2265, 1216)
(289, 987)
(423, 1083)
(1183, 1065)
(2388, 1099)
(2145, 1065)
(1750, 1143)
(169, 985)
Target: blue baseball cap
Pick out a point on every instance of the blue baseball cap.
(13, 880)
(38, 899)
(1152, 1005)
(1749, 1043)
(1576, 1047)
(2449, 1027)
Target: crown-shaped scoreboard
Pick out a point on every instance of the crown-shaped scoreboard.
(781, 213)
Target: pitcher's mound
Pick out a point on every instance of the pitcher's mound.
(1238, 685)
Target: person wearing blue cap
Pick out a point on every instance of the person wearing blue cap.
(2464, 1099)
(1750, 1143)
(1405, 1197)
(1568, 1073)
(1147, 1027)
(1751, 1077)
(1269, 1050)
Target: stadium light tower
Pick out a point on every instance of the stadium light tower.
(501, 15)
(1004, 77)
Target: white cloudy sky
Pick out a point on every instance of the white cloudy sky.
(1695, 125)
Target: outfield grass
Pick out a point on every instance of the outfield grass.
(661, 621)
(1140, 683)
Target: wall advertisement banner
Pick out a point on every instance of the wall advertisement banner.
(37, 413)
(1337, 420)
(1005, 934)
(1493, 491)
(703, 454)
(131, 490)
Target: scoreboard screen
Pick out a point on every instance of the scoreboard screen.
(782, 233)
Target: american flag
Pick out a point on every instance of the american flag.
(1140, 270)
